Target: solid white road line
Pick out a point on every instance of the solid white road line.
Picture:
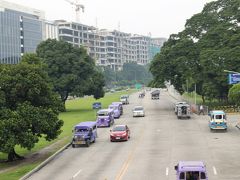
(214, 170)
(167, 171)
(75, 175)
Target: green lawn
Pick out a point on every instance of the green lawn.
(190, 97)
(19, 172)
(78, 110)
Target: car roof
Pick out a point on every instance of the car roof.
(116, 102)
(86, 124)
(191, 165)
(181, 105)
(120, 125)
(111, 105)
(217, 112)
(138, 107)
(104, 110)
(124, 95)
(180, 102)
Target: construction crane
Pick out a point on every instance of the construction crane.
(78, 8)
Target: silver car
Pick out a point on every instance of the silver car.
(138, 111)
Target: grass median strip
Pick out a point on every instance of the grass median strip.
(78, 110)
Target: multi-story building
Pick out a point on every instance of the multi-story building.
(142, 48)
(20, 31)
(50, 30)
(109, 48)
(155, 46)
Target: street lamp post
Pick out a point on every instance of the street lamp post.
(195, 99)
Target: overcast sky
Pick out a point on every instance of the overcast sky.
(158, 17)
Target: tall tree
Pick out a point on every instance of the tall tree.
(28, 106)
(199, 54)
(234, 94)
(70, 68)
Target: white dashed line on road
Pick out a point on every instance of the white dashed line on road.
(167, 171)
(75, 175)
(214, 170)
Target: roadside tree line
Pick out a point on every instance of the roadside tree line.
(209, 44)
(33, 92)
(130, 74)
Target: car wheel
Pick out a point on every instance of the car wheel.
(88, 143)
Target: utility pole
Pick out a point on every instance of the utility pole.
(195, 99)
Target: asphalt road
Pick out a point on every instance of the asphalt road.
(158, 141)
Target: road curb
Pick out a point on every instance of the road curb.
(44, 163)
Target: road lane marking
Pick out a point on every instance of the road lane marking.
(214, 170)
(167, 171)
(75, 175)
(129, 159)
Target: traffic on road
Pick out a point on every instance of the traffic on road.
(157, 145)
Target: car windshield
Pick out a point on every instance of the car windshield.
(192, 175)
(119, 128)
(81, 130)
(138, 109)
(113, 107)
(103, 113)
(220, 116)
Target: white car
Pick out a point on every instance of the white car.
(177, 104)
(124, 99)
(138, 111)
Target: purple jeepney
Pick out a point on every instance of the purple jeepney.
(105, 118)
(191, 170)
(116, 110)
(120, 106)
(84, 133)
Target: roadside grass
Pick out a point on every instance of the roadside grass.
(18, 172)
(77, 110)
(190, 97)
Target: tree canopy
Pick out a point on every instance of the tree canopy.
(199, 54)
(234, 94)
(130, 74)
(70, 69)
(28, 106)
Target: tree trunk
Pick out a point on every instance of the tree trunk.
(12, 156)
(203, 99)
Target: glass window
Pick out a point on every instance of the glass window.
(203, 175)
(66, 31)
(66, 38)
(76, 40)
(119, 128)
(218, 116)
(75, 33)
(182, 175)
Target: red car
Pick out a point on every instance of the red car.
(119, 133)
